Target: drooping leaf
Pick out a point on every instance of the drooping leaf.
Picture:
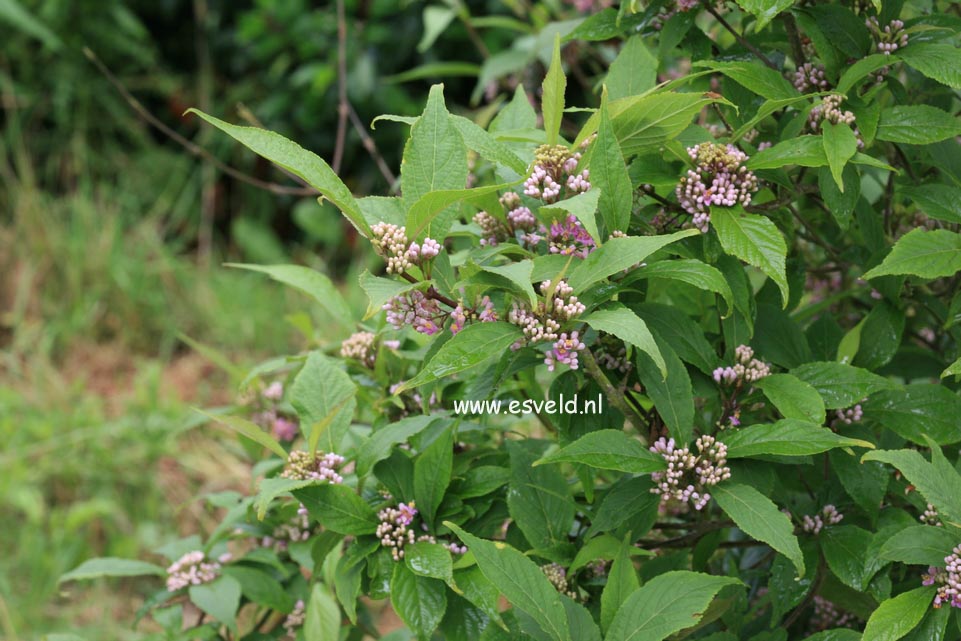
(322, 617)
(806, 151)
(895, 617)
(940, 486)
(618, 254)
(432, 472)
(378, 446)
(918, 411)
(755, 240)
(249, 430)
(793, 398)
(629, 327)
(754, 77)
(673, 396)
(608, 450)
(840, 145)
(928, 254)
(419, 601)
(621, 583)
(941, 62)
(846, 550)
(690, 271)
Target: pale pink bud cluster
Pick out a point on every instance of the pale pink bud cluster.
(930, 516)
(360, 346)
(948, 580)
(746, 368)
(492, 231)
(687, 475)
(394, 530)
(544, 322)
(829, 110)
(392, 244)
(295, 620)
(557, 575)
(295, 530)
(193, 568)
(274, 391)
(809, 78)
(718, 179)
(555, 167)
(416, 310)
(484, 312)
(767, 144)
(850, 415)
(889, 38)
(827, 616)
(569, 238)
(813, 524)
(564, 351)
(590, 6)
(304, 466)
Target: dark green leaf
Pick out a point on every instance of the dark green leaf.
(432, 473)
(608, 450)
(787, 437)
(419, 601)
(338, 508)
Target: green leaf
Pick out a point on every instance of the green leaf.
(220, 599)
(758, 517)
(304, 164)
(952, 369)
(609, 175)
(310, 281)
(938, 61)
(608, 450)
(552, 106)
(322, 620)
(260, 587)
(806, 151)
(521, 581)
(471, 346)
(787, 437)
(919, 545)
(936, 200)
(928, 254)
(618, 254)
(432, 472)
(518, 274)
(866, 483)
(754, 77)
(845, 30)
(419, 601)
(793, 398)
(425, 211)
(583, 206)
(840, 145)
(249, 430)
(324, 396)
(480, 591)
(939, 485)
(429, 559)
(673, 396)
(690, 271)
(380, 290)
(860, 70)
(338, 508)
(628, 504)
(764, 10)
(12, 12)
(846, 549)
(435, 157)
(621, 583)
(487, 146)
(538, 499)
(604, 547)
(917, 124)
(379, 444)
(633, 71)
(838, 384)
(683, 335)
(436, 21)
(271, 488)
(517, 115)
(626, 325)
(111, 566)
(670, 602)
(895, 617)
(643, 123)
(918, 411)
(755, 240)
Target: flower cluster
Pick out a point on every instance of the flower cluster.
(296, 529)
(557, 575)
(395, 531)
(283, 428)
(850, 415)
(415, 309)
(707, 469)
(745, 368)
(889, 38)
(392, 244)
(544, 322)
(613, 357)
(564, 351)
(555, 167)
(829, 110)
(483, 311)
(360, 346)
(295, 619)
(810, 77)
(304, 466)
(569, 238)
(948, 580)
(829, 515)
(930, 516)
(827, 616)
(718, 179)
(193, 568)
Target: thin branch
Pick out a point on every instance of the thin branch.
(794, 38)
(342, 104)
(371, 148)
(191, 147)
(741, 39)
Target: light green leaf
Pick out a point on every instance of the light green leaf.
(435, 157)
(939, 484)
(690, 271)
(754, 77)
(936, 200)
(758, 517)
(633, 71)
(952, 369)
(793, 398)
(647, 122)
(219, 598)
(272, 487)
(338, 508)
(609, 175)
(764, 10)
(667, 604)
(928, 254)
(487, 146)
(426, 210)
(316, 285)
(419, 601)
(840, 145)
(429, 559)
(583, 206)
(519, 274)
(111, 566)
(621, 583)
(324, 396)
(618, 254)
(432, 471)
(917, 124)
(380, 290)
(554, 86)
(381, 442)
(436, 21)
(322, 621)
(755, 240)
(938, 61)
(13, 13)
(304, 164)
(250, 430)
(919, 545)
(787, 437)
(861, 69)
(895, 617)
(521, 581)
(806, 151)
(471, 346)
(608, 450)
(838, 384)
(621, 322)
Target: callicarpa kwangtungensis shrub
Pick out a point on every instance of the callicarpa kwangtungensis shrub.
(683, 364)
